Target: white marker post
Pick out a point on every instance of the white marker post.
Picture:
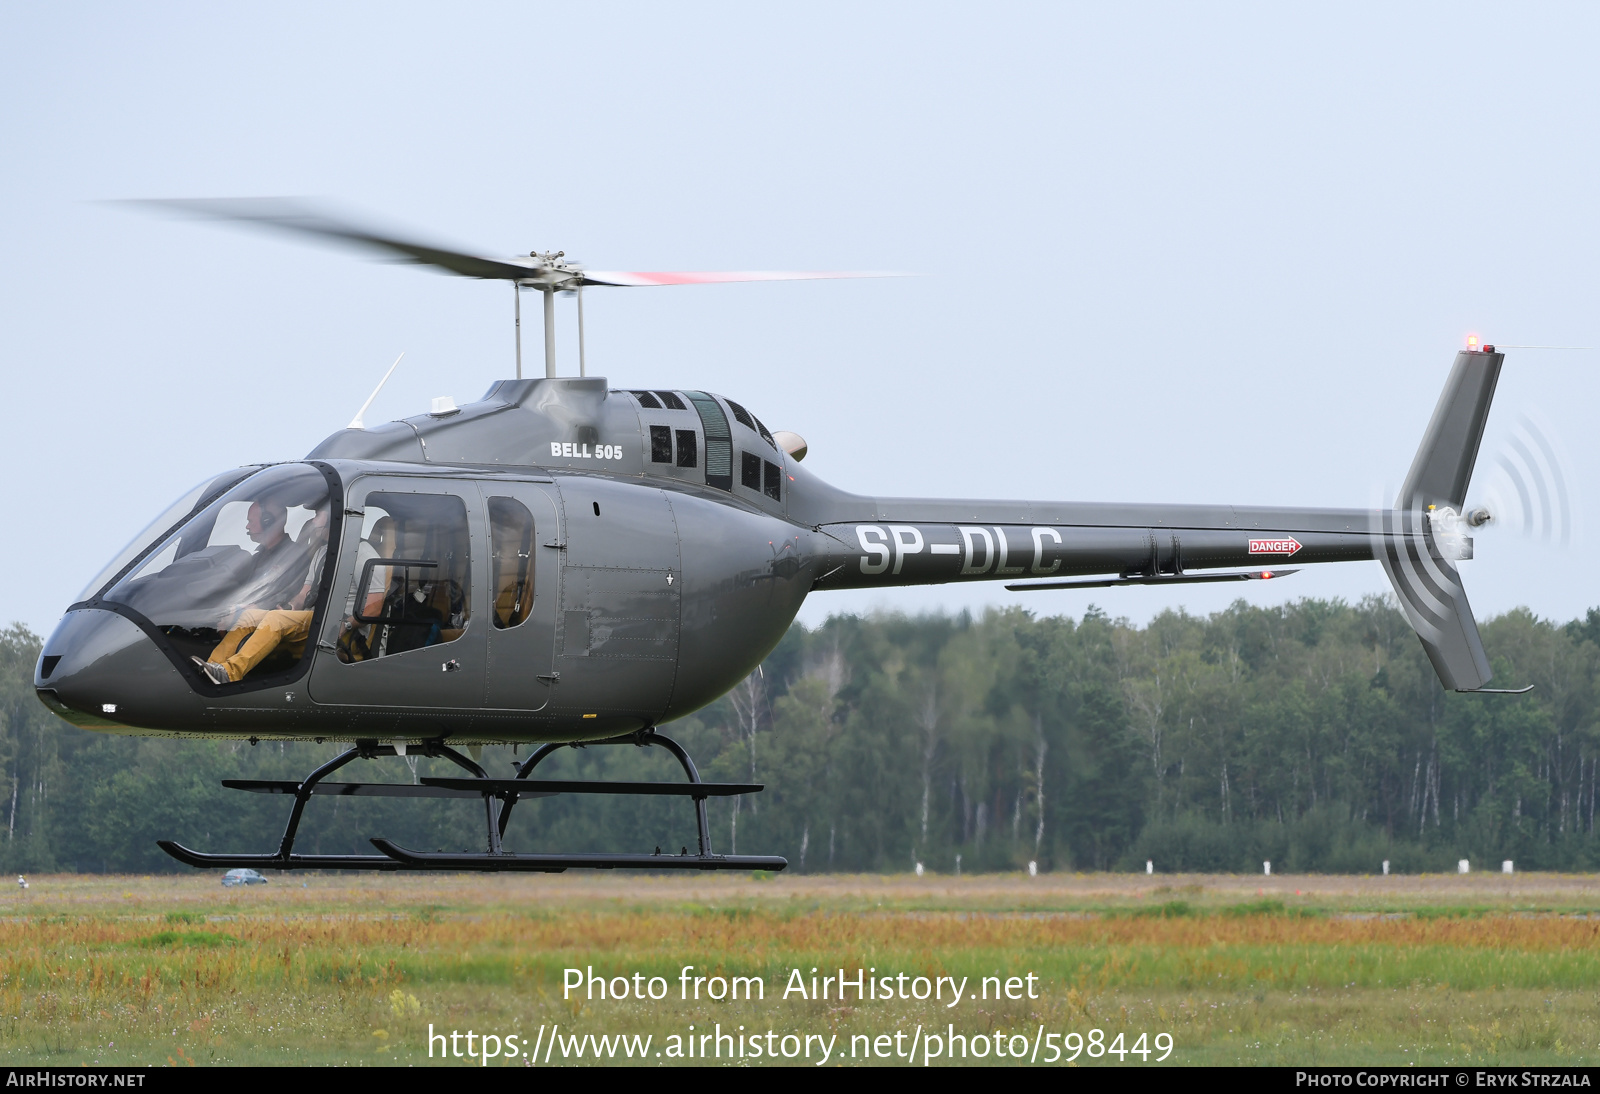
(1462, 867)
(1385, 867)
(1505, 867)
(1266, 868)
(1149, 866)
(1033, 868)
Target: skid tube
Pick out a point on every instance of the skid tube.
(498, 795)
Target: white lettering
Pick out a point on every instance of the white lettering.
(1038, 550)
(907, 541)
(967, 535)
(1003, 547)
(880, 548)
(555, 448)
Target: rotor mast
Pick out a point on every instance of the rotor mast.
(550, 276)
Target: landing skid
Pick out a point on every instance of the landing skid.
(499, 796)
(555, 864)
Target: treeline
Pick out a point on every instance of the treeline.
(1314, 735)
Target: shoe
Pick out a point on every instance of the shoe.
(217, 674)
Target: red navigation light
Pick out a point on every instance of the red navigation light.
(1266, 575)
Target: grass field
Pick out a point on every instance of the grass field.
(1480, 969)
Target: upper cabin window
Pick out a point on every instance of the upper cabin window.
(750, 421)
(511, 566)
(236, 585)
(646, 399)
(671, 401)
(688, 448)
(774, 477)
(661, 444)
(412, 579)
(750, 470)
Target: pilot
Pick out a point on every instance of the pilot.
(279, 562)
(258, 630)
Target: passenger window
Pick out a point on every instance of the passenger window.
(660, 444)
(774, 476)
(511, 541)
(688, 448)
(412, 577)
(646, 400)
(750, 470)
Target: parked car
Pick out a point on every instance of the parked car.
(242, 877)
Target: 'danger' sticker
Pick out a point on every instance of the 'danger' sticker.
(1285, 546)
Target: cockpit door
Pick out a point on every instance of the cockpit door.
(524, 571)
(408, 619)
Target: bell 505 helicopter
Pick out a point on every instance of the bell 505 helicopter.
(563, 563)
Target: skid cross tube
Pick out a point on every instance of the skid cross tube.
(508, 793)
(285, 858)
(643, 739)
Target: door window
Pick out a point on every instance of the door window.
(511, 542)
(412, 576)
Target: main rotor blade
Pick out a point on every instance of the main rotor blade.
(290, 216)
(641, 278)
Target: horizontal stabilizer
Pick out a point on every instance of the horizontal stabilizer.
(1159, 579)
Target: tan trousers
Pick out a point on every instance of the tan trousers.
(257, 633)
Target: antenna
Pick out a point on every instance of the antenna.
(356, 423)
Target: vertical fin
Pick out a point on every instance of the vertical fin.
(1443, 466)
(1424, 578)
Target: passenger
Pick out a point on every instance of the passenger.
(259, 630)
(360, 640)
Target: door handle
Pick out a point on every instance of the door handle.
(451, 665)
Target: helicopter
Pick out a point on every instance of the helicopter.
(562, 563)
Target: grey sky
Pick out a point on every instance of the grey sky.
(1167, 253)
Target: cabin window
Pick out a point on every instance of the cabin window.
(412, 576)
(240, 581)
(750, 470)
(646, 399)
(688, 448)
(660, 444)
(774, 477)
(511, 563)
(671, 401)
(741, 415)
